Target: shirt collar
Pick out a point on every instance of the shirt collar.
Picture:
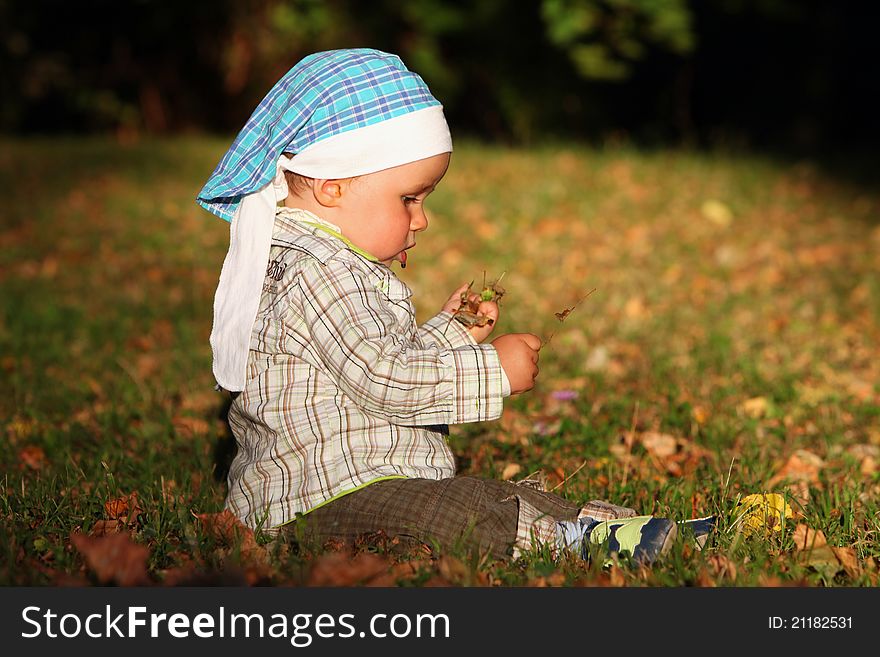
(301, 216)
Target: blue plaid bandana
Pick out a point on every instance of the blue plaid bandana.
(324, 95)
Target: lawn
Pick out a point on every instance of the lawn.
(731, 347)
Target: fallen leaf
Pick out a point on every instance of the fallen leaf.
(228, 530)
(189, 426)
(510, 471)
(814, 551)
(616, 576)
(340, 569)
(452, 569)
(114, 558)
(104, 527)
(722, 566)
(700, 415)
(756, 407)
(33, 457)
(762, 512)
(807, 539)
(848, 559)
(803, 465)
(716, 212)
(124, 509)
(660, 445)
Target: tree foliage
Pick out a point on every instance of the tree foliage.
(659, 69)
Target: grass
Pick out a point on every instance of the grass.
(732, 347)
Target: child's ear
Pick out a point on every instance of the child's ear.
(327, 192)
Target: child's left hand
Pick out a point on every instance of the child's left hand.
(487, 308)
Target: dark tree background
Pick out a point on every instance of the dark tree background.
(796, 75)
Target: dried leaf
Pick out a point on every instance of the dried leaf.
(803, 465)
(339, 569)
(762, 512)
(33, 457)
(815, 552)
(104, 527)
(722, 566)
(114, 558)
(189, 426)
(716, 212)
(452, 569)
(847, 558)
(661, 445)
(227, 529)
(125, 509)
(510, 471)
(756, 407)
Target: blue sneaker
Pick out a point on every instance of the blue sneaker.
(700, 528)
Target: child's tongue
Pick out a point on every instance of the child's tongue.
(402, 257)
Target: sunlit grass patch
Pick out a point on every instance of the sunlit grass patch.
(730, 348)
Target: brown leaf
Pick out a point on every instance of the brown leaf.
(814, 551)
(661, 445)
(802, 466)
(847, 558)
(722, 566)
(104, 527)
(189, 426)
(807, 539)
(114, 558)
(338, 569)
(452, 569)
(227, 529)
(704, 579)
(33, 457)
(616, 576)
(124, 509)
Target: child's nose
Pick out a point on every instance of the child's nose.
(419, 221)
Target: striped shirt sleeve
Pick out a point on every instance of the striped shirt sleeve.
(367, 344)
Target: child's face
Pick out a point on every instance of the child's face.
(381, 212)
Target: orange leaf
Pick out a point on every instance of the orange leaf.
(189, 426)
(33, 457)
(114, 558)
(337, 569)
(803, 465)
(226, 528)
(125, 509)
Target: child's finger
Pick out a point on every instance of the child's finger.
(454, 300)
(489, 309)
(533, 341)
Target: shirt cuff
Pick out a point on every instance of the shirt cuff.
(444, 331)
(505, 384)
(478, 389)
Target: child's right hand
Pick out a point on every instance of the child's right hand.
(518, 353)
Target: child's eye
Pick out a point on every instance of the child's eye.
(410, 199)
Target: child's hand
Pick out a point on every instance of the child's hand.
(486, 308)
(518, 353)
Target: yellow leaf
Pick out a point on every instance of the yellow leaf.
(755, 407)
(510, 471)
(762, 511)
(716, 212)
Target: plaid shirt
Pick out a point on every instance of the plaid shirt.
(343, 388)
